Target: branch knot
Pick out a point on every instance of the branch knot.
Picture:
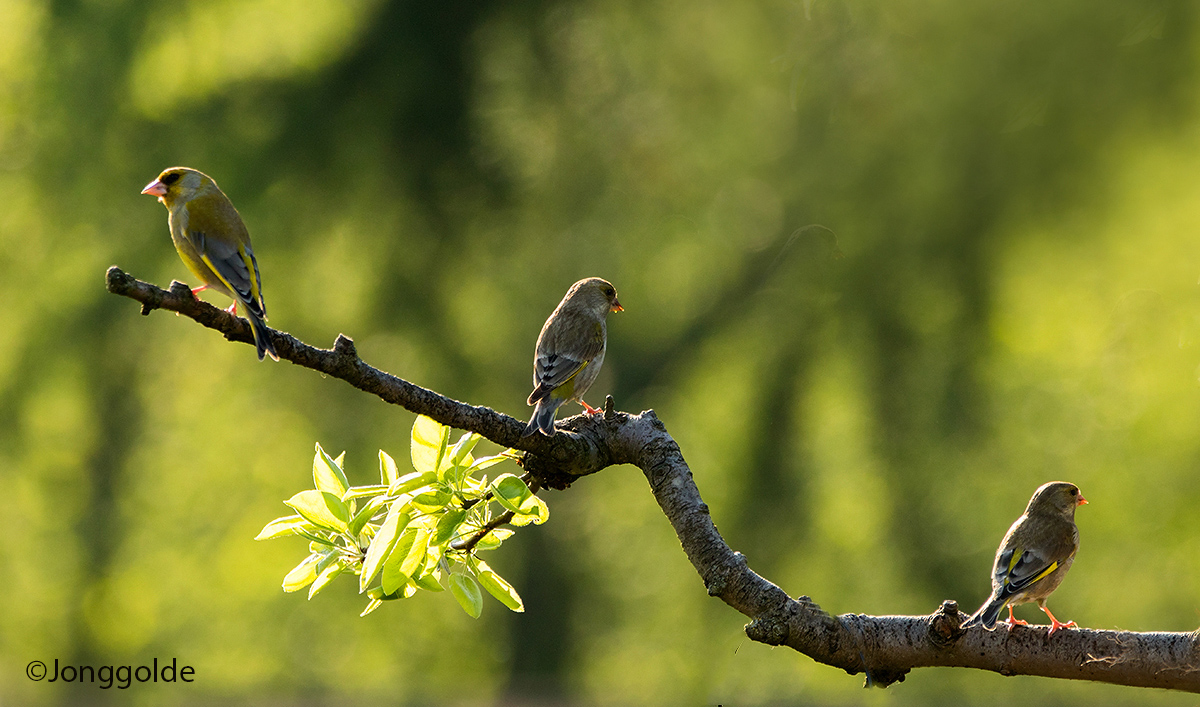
(945, 625)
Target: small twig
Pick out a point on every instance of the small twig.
(470, 543)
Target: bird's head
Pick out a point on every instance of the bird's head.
(595, 294)
(179, 185)
(1056, 497)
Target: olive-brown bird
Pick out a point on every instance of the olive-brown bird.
(214, 244)
(1034, 556)
(570, 351)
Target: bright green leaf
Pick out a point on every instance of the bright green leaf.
(462, 449)
(364, 491)
(412, 482)
(466, 591)
(381, 545)
(458, 459)
(432, 501)
(318, 541)
(388, 473)
(326, 576)
(484, 462)
(498, 587)
(287, 525)
(391, 578)
(472, 487)
(364, 516)
(322, 508)
(492, 540)
(429, 439)
(302, 574)
(513, 494)
(429, 582)
(378, 593)
(539, 514)
(406, 557)
(415, 558)
(371, 606)
(429, 577)
(543, 511)
(448, 524)
(328, 475)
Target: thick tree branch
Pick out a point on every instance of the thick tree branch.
(885, 648)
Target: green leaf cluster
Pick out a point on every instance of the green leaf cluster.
(420, 530)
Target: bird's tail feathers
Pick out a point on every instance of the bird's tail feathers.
(987, 614)
(262, 337)
(543, 417)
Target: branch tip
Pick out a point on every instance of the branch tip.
(114, 277)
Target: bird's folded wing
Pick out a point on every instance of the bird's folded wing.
(1018, 569)
(235, 266)
(554, 367)
(551, 372)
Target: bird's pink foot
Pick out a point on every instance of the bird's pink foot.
(1013, 621)
(590, 410)
(1055, 624)
(232, 309)
(198, 290)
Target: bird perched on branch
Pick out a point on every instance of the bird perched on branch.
(214, 244)
(570, 351)
(1034, 556)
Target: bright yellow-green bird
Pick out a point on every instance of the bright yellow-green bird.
(1034, 556)
(570, 351)
(214, 244)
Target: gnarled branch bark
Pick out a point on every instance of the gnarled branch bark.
(884, 648)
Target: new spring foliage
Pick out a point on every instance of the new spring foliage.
(420, 530)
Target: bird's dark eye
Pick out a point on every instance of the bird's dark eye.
(1074, 492)
(170, 178)
(609, 292)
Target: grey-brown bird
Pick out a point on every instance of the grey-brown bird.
(570, 351)
(213, 243)
(1034, 556)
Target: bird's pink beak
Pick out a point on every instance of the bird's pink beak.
(616, 306)
(1082, 500)
(155, 188)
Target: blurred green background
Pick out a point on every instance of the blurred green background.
(1013, 184)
